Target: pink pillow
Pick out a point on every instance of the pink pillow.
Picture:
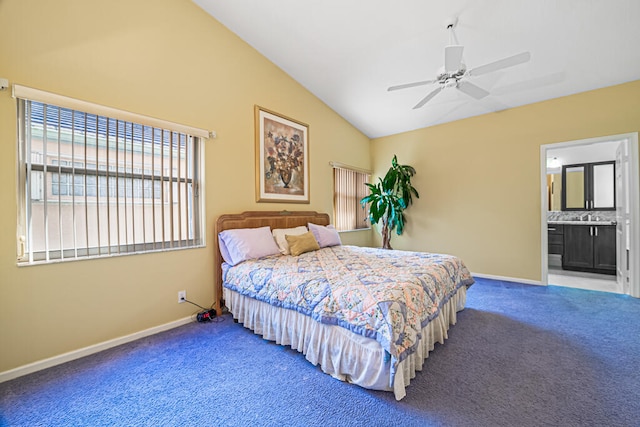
(241, 244)
(326, 236)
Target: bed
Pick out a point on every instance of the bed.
(364, 315)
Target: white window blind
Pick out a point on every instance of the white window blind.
(94, 184)
(349, 189)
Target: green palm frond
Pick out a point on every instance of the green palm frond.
(390, 196)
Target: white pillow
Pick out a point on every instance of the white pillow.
(241, 244)
(326, 236)
(281, 241)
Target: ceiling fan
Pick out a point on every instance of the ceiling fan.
(455, 73)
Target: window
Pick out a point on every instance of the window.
(95, 181)
(349, 188)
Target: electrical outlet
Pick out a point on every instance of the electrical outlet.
(182, 296)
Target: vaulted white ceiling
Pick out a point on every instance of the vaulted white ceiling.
(348, 52)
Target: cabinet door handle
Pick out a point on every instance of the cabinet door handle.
(552, 229)
(590, 231)
(596, 231)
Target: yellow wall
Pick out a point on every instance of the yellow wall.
(166, 59)
(479, 178)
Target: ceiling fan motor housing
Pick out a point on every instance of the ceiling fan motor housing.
(443, 76)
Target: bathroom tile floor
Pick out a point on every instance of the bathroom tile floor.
(576, 279)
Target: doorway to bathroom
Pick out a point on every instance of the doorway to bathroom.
(590, 211)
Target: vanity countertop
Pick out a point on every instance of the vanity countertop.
(578, 222)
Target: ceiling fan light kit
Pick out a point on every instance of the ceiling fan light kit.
(454, 73)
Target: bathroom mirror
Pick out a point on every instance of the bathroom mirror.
(574, 194)
(554, 191)
(603, 186)
(589, 186)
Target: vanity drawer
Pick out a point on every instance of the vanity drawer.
(555, 229)
(555, 238)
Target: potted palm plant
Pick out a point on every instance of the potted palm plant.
(389, 198)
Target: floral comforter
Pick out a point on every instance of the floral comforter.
(387, 295)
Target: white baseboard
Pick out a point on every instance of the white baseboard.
(76, 354)
(508, 279)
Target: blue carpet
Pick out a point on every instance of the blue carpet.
(519, 355)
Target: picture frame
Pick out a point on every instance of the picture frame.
(282, 158)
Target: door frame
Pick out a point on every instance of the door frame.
(634, 205)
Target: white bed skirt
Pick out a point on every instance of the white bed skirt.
(339, 352)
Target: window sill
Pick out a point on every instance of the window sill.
(354, 230)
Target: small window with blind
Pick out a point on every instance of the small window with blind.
(349, 189)
(95, 181)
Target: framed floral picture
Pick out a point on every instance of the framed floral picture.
(282, 158)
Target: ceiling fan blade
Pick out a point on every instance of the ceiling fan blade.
(503, 63)
(452, 58)
(428, 97)
(472, 90)
(408, 85)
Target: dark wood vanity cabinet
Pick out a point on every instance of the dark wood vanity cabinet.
(604, 248)
(555, 238)
(590, 248)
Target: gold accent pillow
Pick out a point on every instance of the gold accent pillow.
(302, 243)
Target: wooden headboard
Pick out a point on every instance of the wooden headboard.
(253, 219)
